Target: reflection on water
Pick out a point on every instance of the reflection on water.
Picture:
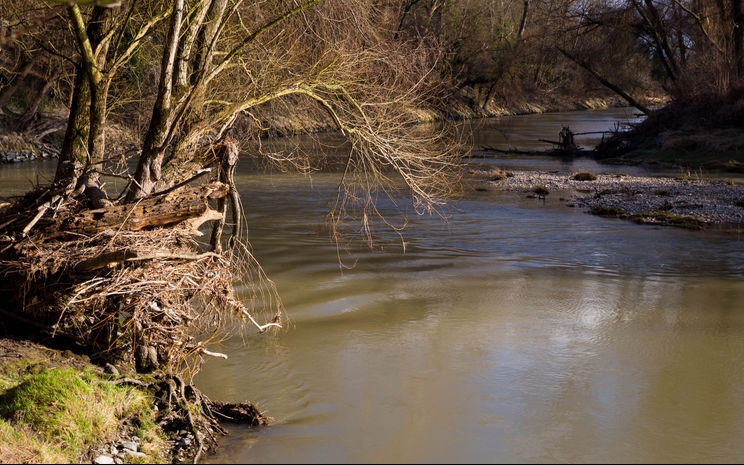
(517, 331)
(494, 137)
(529, 132)
(19, 178)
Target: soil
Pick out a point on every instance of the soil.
(15, 349)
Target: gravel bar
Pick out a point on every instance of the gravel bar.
(694, 203)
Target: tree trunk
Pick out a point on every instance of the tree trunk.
(605, 82)
(72, 155)
(160, 130)
(738, 12)
(7, 91)
(523, 22)
(33, 106)
(84, 146)
(166, 210)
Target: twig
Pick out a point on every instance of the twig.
(198, 174)
(261, 328)
(131, 381)
(211, 354)
(92, 283)
(42, 209)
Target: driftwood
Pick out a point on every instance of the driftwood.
(181, 205)
(566, 141)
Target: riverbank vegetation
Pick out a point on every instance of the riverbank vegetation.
(132, 254)
(63, 414)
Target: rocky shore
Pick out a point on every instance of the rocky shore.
(16, 149)
(689, 202)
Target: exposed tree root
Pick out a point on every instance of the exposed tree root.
(183, 408)
(134, 285)
(151, 296)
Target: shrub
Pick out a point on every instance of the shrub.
(584, 176)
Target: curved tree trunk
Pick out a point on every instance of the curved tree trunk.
(606, 82)
(160, 130)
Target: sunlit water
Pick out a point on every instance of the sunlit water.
(518, 330)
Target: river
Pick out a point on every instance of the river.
(514, 330)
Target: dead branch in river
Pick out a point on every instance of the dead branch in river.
(139, 285)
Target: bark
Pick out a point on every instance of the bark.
(71, 158)
(523, 22)
(35, 103)
(8, 90)
(652, 18)
(84, 146)
(161, 124)
(738, 10)
(182, 205)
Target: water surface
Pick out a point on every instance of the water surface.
(513, 330)
(517, 331)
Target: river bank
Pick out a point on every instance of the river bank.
(677, 201)
(49, 393)
(685, 201)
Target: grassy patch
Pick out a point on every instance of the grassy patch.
(651, 217)
(670, 219)
(584, 176)
(715, 150)
(19, 445)
(61, 414)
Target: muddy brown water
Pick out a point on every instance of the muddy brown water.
(519, 330)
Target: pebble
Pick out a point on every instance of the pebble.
(119, 452)
(104, 459)
(712, 202)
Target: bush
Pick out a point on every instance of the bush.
(584, 176)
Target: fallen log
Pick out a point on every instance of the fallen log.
(178, 206)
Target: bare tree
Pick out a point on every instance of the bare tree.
(689, 48)
(33, 71)
(219, 65)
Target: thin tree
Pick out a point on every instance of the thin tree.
(221, 63)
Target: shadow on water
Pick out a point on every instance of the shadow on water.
(519, 330)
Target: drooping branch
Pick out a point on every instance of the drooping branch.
(605, 81)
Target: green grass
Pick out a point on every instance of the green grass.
(60, 414)
(666, 218)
